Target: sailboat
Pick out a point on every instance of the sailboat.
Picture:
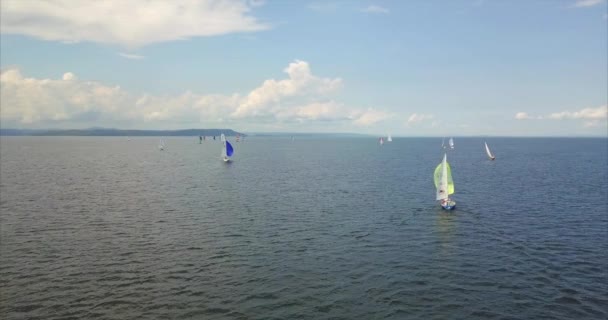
(488, 152)
(389, 138)
(381, 141)
(227, 149)
(444, 184)
(451, 143)
(161, 145)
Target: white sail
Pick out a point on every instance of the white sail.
(389, 138)
(223, 140)
(488, 152)
(451, 143)
(381, 141)
(442, 189)
(161, 144)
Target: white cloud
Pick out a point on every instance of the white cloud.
(130, 56)
(522, 116)
(375, 9)
(320, 111)
(70, 102)
(257, 3)
(264, 99)
(591, 124)
(587, 3)
(369, 117)
(593, 117)
(30, 100)
(324, 7)
(587, 114)
(415, 118)
(128, 23)
(68, 76)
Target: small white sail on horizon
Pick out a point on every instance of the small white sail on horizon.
(488, 152)
(381, 141)
(451, 143)
(389, 138)
(161, 145)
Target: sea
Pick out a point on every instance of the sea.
(314, 228)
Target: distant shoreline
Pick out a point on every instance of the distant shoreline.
(109, 132)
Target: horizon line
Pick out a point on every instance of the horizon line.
(42, 131)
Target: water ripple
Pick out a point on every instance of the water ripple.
(112, 229)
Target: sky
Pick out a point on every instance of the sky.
(408, 68)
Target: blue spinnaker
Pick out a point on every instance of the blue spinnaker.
(229, 150)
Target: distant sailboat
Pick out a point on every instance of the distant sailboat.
(227, 150)
(389, 138)
(488, 152)
(444, 184)
(381, 141)
(451, 143)
(161, 145)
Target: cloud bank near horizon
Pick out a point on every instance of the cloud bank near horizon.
(300, 98)
(589, 117)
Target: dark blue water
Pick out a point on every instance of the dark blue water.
(337, 228)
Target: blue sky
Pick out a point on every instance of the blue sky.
(412, 68)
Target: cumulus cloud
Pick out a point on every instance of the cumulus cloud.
(375, 9)
(128, 23)
(319, 111)
(130, 56)
(68, 76)
(587, 3)
(301, 97)
(587, 114)
(592, 117)
(415, 118)
(30, 100)
(264, 99)
(522, 116)
(369, 117)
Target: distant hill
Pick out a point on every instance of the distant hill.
(310, 135)
(118, 132)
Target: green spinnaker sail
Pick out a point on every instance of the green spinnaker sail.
(438, 177)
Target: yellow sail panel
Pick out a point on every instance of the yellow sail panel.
(437, 177)
(450, 181)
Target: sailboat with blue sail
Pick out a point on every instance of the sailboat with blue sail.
(444, 184)
(227, 149)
